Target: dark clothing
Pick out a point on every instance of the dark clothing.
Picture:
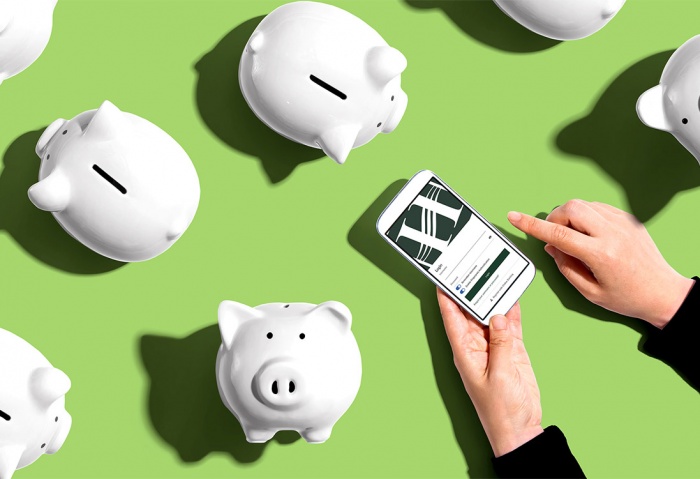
(548, 455)
(676, 344)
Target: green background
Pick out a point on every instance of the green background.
(509, 120)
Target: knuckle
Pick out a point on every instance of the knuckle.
(573, 205)
(564, 268)
(500, 341)
(560, 234)
(530, 223)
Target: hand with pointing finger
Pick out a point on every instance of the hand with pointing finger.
(609, 257)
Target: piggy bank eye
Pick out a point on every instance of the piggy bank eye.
(48, 157)
(65, 131)
(685, 121)
(269, 335)
(302, 336)
(392, 97)
(5, 416)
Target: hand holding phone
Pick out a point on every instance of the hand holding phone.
(455, 247)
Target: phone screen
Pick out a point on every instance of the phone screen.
(457, 248)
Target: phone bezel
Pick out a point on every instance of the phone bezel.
(405, 197)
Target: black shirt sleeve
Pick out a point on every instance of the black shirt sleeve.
(676, 344)
(547, 455)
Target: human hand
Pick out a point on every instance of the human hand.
(608, 255)
(496, 373)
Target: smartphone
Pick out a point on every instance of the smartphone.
(455, 247)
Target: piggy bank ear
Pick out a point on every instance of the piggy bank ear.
(611, 7)
(48, 384)
(256, 42)
(337, 142)
(650, 108)
(46, 136)
(9, 460)
(7, 13)
(52, 193)
(61, 434)
(337, 311)
(231, 316)
(107, 123)
(385, 63)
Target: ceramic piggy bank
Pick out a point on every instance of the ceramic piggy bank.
(287, 367)
(25, 28)
(562, 19)
(33, 418)
(322, 77)
(116, 182)
(673, 104)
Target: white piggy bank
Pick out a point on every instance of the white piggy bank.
(116, 182)
(322, 77)
(287, 367)
(25, 28)
(673, 105)
(562, 19)
(33, 417)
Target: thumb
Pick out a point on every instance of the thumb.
(500, 344)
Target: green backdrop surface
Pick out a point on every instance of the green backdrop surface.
(510, 120)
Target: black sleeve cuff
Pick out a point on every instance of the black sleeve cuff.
(547, 455)
(676, 344)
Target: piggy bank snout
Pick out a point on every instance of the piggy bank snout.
(401, 102)
(280, 385)
(61, 434)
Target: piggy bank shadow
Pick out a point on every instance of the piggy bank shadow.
(226, 113)
(470, 436)
(650, 165)
(183, 401)
(36, 231)
(488, 24)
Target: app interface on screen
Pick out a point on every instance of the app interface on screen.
(457, 248)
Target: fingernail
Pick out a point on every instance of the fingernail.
(499, 322)
(549, 249)
(514, 216)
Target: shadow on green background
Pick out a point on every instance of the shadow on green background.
(486, 23)
(184, 403)
(37, 231)
(226, 113)
(467, 429)
(650, 165)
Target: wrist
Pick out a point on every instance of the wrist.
(503, 442)
(674, 296)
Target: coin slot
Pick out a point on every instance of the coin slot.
(109, 179)
(328, 87)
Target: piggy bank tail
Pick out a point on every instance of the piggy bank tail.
(9, 460)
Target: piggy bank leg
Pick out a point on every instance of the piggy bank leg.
(258, 435)
(316, 435)
(9, 459)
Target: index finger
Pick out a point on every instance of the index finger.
(561, 237)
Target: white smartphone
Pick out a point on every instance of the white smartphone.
(455, 247)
